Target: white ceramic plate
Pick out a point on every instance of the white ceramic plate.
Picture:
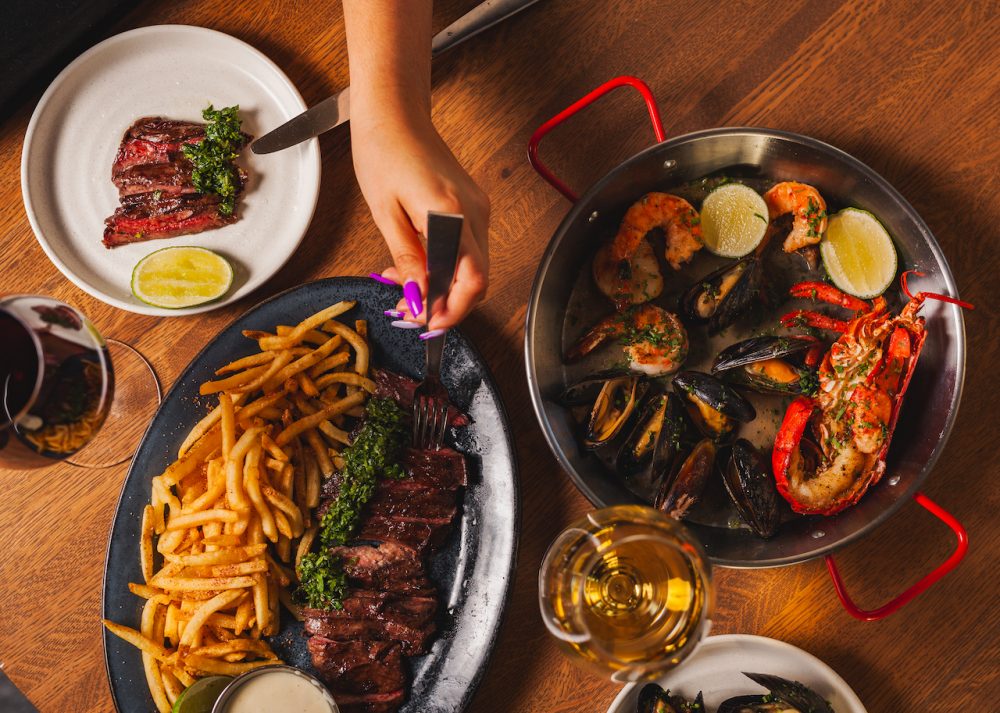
(173, 71)
(716, 669)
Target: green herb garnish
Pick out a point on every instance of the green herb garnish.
(374, 452)
(214, 170)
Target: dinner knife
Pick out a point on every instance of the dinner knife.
(335, 110)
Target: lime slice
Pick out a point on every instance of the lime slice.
(201, 695)
(733, 220)
(858, 253)
(181, 277)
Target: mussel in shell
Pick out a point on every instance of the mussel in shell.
(613, 407)
(721, 297)
(682, 489)
(714, 406)
(772, 364)
(653, 699)
(661, 430)
(751, 486)
(585, 391)
(785, 697)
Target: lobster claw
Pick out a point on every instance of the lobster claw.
(787, 442)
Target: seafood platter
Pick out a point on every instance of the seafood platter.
(750, 330)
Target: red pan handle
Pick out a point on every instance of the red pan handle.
(918, 588)
(638, 84)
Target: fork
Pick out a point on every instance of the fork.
(430, 399)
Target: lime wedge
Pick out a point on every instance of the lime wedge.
(733, 220)
(858, 253)
(201, 695)
(181, 277)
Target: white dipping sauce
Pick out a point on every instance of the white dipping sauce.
(279, 691)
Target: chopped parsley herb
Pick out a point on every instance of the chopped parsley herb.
(373, 453)
(214, 170)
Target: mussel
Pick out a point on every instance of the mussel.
(682, 489)
(613, 407)
(585, 391)
(653, 699)
(751, 486)
(785, 697)
(772, 364)
(722, 296)
(660, 432)
(715, 407)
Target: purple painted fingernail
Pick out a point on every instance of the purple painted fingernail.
(415, 300)
(384, 280)
(403, 324)
(394, 313)
(430, 334)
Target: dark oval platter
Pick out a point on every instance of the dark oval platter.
(473, 571)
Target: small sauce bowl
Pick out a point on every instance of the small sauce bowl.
(315, 701)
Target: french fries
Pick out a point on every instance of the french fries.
(230, 520)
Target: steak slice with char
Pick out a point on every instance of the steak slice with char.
(358, 667)
(371, 702)
(402, 497)
(443, 468)
(418, 534)
(160, 130)
(387, 566)
(167, 178)
(414, 641)
(141, 217)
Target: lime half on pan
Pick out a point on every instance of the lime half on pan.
(181, 277)
(733, 220)
(858, 253)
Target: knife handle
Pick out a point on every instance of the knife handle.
(482, 17)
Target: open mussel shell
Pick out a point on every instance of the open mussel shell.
(653, 699)
(682, 489)
(751, 486)
(785, 697)
(613, 408)
(661, 429)
(715, 407)
(585, 391)
(770, 364)
(721, 297)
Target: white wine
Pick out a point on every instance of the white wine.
(626, 591)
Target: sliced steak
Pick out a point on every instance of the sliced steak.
(399, 497)
(400, 389)
(166, 178)
(371, 702)
(160, 130)
(443, 468)
(141, 217)
(386, 566)
(359, 667)
(414, 641)
(419, 534)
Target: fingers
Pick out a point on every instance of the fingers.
(469, 287)
(408, 255)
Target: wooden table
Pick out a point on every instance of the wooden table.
(913, 89)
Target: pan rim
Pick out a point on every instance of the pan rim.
(854, 164)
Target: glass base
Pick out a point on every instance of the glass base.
(136, 398)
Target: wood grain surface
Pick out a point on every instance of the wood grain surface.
(911, 88)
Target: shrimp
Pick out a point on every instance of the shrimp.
(807, 207)
(654, 341)
(675, 215)
(631, 281)
(625, 269)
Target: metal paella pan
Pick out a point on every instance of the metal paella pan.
(563, 291)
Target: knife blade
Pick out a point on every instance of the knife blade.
(336, 110)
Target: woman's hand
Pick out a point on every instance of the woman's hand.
(403, 166)
(405, 169)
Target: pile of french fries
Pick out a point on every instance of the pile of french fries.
(231, 518)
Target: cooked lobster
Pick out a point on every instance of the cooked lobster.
(832, 447)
